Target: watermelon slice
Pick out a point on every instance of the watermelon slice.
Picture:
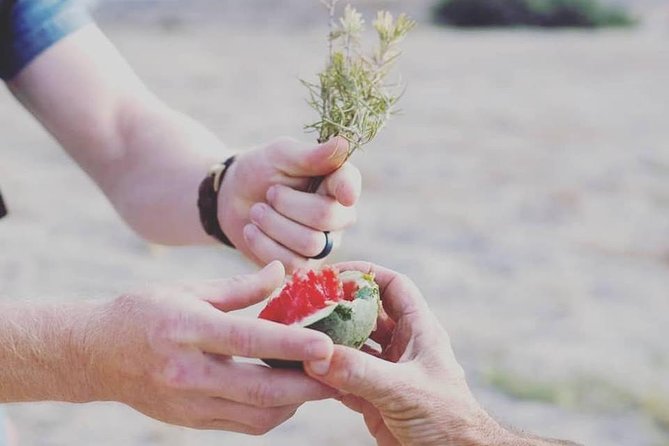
(344, 306)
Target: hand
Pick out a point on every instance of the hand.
(169, 353)
(266, 213)
(413, 392)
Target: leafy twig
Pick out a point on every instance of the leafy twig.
(351, 96)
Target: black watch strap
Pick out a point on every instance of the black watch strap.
(3, 208)
(207, 201)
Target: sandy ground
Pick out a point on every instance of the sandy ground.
(525, 187)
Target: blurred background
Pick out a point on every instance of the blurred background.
(524, 186)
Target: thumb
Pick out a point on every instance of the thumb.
(298, 160)
(242, 291)
(357, 373)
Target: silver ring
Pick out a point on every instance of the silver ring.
(327, 249)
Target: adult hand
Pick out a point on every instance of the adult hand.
(413, 392)
(266, 213)
(150, 159)
(169, 353)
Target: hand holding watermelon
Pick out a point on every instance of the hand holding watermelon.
(413, 391)
(170, 353)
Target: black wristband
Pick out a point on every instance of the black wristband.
(207, 201)
(3, 208)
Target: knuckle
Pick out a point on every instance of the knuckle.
(173, 375)
(268, 420)
(350, 372)
(278, 148)
(242, 341)
(164, 330)
(263, 394)
(294, 263)
(324, 216)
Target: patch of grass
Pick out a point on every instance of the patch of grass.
(657, 408)
(581, 392)
(543, 13)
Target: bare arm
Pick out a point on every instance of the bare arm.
(149, 159)
(40, 353)
(413, 392)
(167, 352)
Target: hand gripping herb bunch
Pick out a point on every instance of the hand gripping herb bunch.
(353, 97)
(353, 100)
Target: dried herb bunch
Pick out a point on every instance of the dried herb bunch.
(352, 96)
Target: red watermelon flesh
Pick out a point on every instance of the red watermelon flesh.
(305, 293)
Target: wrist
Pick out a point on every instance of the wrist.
(83, 346)
(227, 211)
(44, 354)
(486, 431)
(489, 431)
(107, 345)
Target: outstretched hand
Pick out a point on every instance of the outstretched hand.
(265, 211)
(413, 392)
(169, 353)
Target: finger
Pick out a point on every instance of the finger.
(355, 403)
(355, 372)
(300, 160)
(316, 211)
(267, 250)
(399, 294)
(244, 290)
(344, 184)
(298, 238)
(255, 418)
(373, 419)
(225, 425)
(385, 327)
(370, 350)
(224, 334)
(376, 426)
(263, 387)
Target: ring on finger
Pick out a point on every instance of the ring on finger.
(327, 249)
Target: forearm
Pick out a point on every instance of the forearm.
(489, 432)
(147, 158)
(154, 186)
(43, 352)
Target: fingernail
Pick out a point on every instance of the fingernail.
(320, 367)
(271, 193)
(274, 264)
(256, 212)
(250, 231)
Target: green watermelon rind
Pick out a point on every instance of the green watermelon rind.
(339, 323)
(351, 323)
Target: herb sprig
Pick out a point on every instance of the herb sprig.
(352, 96)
